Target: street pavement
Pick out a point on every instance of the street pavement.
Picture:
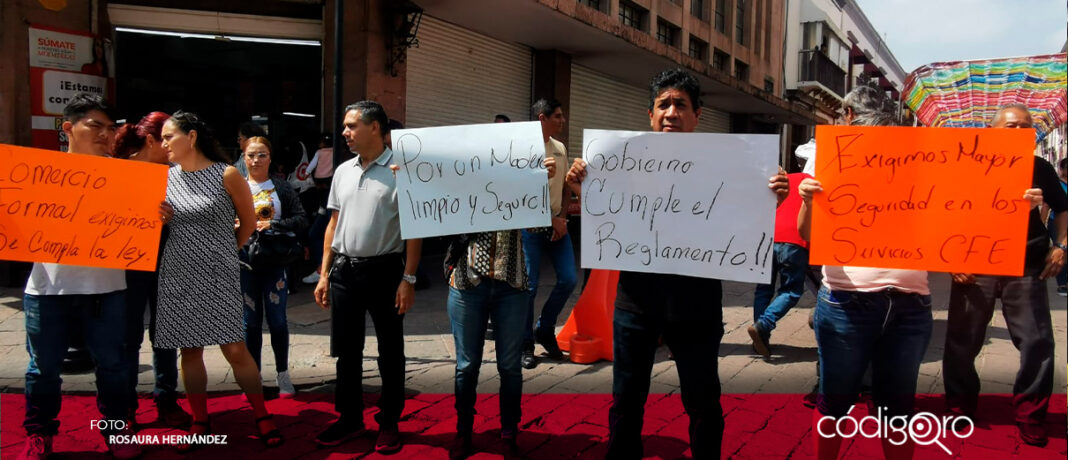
(431, 356)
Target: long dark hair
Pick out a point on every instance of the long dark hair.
(206, 142)
(131, 137)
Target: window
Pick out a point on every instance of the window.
(698, 49)
(739, 22)
(741, 70)
(769, 84)
(721, 16)
(697, 9)
(667, 33)
(595, 4)
(631, 15)
(720, 61)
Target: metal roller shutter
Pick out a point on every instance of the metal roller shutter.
(600, 102)
(456, 76)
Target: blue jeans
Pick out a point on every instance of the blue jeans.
(50, 320)
(142, 290)
(562, 255)
(266, 290)
(888, 330)
(469, 309)
(789, 265)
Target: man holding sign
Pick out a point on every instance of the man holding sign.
(685, 311)
(61, 297)
(1024, 302)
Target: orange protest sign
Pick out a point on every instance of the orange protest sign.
(936, 199)
(79, 209)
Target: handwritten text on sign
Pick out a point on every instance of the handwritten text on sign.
(936, 199)
(79, 209)
(687, 204)
(471, 178)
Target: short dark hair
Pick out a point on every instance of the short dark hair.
(206, 142)
(251, 129)
(394, 124)
(544, 107)
(371, 111)
(675, 79)
(82, 103)
(1063, 164)
(503, 117)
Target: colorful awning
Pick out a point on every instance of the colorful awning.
(968, 93)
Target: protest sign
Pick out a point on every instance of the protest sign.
(79, 209)
(936, 199)
(471, 178)
(684, 203)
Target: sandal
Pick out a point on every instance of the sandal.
(271, 438)
(184, 448)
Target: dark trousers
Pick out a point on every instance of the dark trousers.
(694, 342)
(142, 290)
(1025, 304)
(359, 287)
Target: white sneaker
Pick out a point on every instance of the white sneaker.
(285, 386)
(311, 279)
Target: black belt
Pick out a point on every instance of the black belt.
(342, 258)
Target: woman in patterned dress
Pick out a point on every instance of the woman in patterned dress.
(200, 301)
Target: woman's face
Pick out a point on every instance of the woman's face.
(257, 159)
(179, 145)
(152, 152)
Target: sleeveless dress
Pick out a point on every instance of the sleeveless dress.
(200, 300)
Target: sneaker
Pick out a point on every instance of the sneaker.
(313, 278)
(285, 386)
(124, 450)
(171, 414)
(759, 342)
(461, 447)
(1032, 433)
(388, 442)
(37, 446)
(547, 339)
(339, 432)
(1062, 291)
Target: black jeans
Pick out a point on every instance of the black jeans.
(359, 287)
(142, 290)
(1025, 304)
(693, 338)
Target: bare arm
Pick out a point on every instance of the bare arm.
(322, 289)
(240, 194)
(406, 291)
(806, 190)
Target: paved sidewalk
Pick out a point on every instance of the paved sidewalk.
(430, 351)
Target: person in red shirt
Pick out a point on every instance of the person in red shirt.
(789, 265)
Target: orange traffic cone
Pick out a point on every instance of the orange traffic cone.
(587, 335)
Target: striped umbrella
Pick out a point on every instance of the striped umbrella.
(968, 93)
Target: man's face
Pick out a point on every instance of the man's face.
(358, 134)
(673, 111)
(553, 124)
(1014, 118)
(94, 134)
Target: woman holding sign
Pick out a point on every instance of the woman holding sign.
(279, 215)
(199, 277)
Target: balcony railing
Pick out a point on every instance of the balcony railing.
(817, 67)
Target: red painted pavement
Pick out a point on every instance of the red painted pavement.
(554, 426)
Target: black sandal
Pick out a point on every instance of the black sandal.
(184, 448)
(271, 438)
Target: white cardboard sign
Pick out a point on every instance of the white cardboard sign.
(471, 178)
(691, 204)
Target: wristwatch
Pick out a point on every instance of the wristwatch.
(1063, 247)
(409, 278)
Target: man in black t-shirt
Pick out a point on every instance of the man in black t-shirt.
(1025, 304)
(685, 311)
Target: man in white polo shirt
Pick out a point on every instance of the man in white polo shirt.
(63, 298)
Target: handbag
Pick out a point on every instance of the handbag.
(272, 249)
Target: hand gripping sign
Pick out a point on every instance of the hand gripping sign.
(936, 199)
(79, 209)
